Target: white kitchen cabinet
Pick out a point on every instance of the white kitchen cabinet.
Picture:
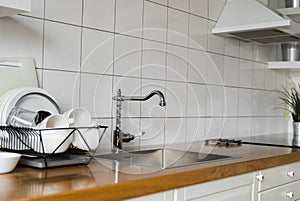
(13, 7)
(279, 183)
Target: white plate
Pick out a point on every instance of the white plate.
(33, 99)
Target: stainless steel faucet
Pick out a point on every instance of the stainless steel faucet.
(118, 135)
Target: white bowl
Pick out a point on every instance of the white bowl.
(88, 137)
(53, 138)
(8, 161)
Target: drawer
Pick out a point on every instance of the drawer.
(282, 193)
(279, 175)
(212, 187)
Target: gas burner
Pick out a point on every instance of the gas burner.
(223, 142)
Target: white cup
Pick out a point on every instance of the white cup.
(54, 121)
(89, 138)
(78, 117)
(52, 137)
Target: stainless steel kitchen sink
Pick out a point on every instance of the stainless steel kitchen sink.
(162, 158)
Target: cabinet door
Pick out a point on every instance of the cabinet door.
(162, 196)
(221, 185)
(239, 194)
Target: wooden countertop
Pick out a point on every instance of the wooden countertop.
(106, 180)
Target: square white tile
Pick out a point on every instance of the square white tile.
(22, 37)
(155, 22)
(68, 11)
(198, 32)
(231, 71)
(151, 107)
(258, 81)
(196, 100)
(180, 4)
(244, 127)
(177, 27)
(215, 97)
(129, 87)
(195, 130)
(232, 47)
(64, 86)
(245, 102)
(129, 17)
(215, 69)
(274, 80)
(230, 128)
(245, 73)
(96, 94)
(62, 46)
(199, 7)
(97, 51)
(177, 58)
(214, 127)
(175, 131)
(99, 14)
(261, 53)
(216, 44)
(176, 96)
(231, 102)
(127, 56)
(197, 62)
(246, 50)
(154, 129)
(259, 125)
(154, 60)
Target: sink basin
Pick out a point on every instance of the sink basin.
(162, 158)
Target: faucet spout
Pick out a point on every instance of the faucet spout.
(119, 136)
(162, 101)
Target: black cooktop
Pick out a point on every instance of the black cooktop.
(282, 140)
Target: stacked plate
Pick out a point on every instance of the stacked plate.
(28, 98)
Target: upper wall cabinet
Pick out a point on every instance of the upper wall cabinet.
(13, 7)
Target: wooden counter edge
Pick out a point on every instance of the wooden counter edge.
(155, 184)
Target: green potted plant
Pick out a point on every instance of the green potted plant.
(291, 97)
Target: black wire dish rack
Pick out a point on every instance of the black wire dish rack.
(31, 144)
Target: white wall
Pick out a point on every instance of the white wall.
(86, 49)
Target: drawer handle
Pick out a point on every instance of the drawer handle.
(291, 174)
(289, 195)
(259, 177)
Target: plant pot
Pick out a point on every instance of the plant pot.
(296, 134)
(292, 3)
(290, 51)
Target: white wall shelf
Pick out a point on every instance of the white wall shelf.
(293, 13)
(13, 7)
(285, 65)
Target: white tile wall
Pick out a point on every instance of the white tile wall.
(86, 50)
(99, 14)
(60, 10)
(129, 17)
(155, 22)
(62, 46)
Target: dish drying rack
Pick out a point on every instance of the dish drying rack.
(27, 141)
